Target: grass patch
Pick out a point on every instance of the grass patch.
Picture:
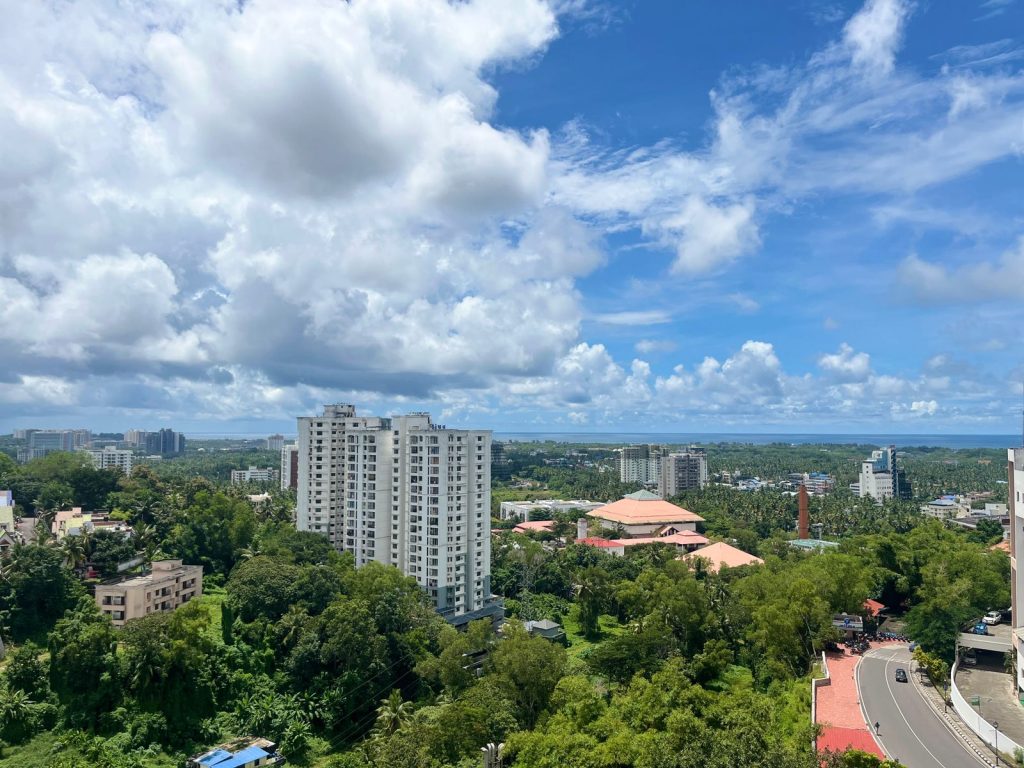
(45, 750)
(579, 646)
(212, 599)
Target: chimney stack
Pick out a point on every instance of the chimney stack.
(803, 524)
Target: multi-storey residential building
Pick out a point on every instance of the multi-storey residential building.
(274, 442)
(168, 585)
(290, 467)
(405, 492)
(254, 475)
(111, 458)
(684, 471)
(1015, 478)
(641, 463)
(163, 442)
(881, 479)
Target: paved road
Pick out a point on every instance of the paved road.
(910, 730)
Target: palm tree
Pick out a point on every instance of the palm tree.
(392, 714)
(15, 707)
(75, 554)
(291, 625)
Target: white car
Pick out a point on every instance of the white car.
(993, 617)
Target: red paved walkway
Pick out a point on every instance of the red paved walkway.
(838, 709)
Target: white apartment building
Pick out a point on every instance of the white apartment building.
(641, 463)
(879, 477)
(1015, 478)
(685, 471)
(290, 467)
(405, 492)
(110, 457)
(274, 442)
(253, 475)
(522, 510)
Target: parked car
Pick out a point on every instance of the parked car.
(992, 617)
(980, 629)
(901, 675)
(969, 660)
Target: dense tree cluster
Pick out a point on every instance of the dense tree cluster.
(669, 664)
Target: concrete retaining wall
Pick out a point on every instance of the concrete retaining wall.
(984, 729)
(817, 683)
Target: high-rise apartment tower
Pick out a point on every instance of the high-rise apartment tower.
(685, 471)
(405, 492)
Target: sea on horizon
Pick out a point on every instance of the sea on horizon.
(765, 438)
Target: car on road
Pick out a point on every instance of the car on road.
(901, 675)
(992, 617)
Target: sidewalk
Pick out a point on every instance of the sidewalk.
(949, 717)
(838, 709)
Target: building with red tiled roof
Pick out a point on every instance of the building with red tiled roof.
(721, 554)
(873, 607)
(644, 514)
(609, 545)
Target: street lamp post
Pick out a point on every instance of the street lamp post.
(995, 748)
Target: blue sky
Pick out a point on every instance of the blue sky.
(524, 215)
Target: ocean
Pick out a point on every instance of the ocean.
(764, 438)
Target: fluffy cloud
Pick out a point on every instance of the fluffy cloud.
(930, 281)
(874, 33)
(241, 209)
(846, 365)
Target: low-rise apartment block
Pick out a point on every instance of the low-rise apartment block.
(111, 458)
(526, 510)
(168, 585)
(254, 475)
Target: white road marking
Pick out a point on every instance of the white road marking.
(877, 654)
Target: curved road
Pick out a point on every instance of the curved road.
(910, 730)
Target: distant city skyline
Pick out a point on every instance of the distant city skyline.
(581, 216)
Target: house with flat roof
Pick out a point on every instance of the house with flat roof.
(168, 585)
(644, 514)
(246, 752)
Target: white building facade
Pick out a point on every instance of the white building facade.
(404, 492)
(289, 466)
(880, 478)
(253, 475)
(112, 458)
(1015, 478)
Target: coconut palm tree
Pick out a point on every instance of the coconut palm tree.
(74, 549)
(290, 626)
(15, 710)
(392, 714)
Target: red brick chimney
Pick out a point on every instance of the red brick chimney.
(803, 524)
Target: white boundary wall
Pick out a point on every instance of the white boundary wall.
(982, 727)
